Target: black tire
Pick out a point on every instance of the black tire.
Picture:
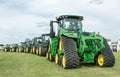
(40, 51)
(47, 56)
(48, 52)
(31, 50)
(108, 57)
(34, 50)
(51, 58)
(43, 51)
(28, 50)
(70, 53)
(24, 50)
(57, 59)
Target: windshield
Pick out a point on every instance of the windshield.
(39, 40)
(45, 38)
(72, 24)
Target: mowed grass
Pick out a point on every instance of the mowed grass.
(13, 64)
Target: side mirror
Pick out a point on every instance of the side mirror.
(59, 23)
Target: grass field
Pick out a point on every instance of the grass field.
(29, 65)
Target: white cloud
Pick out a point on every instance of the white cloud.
(22, 18)
(18, 27)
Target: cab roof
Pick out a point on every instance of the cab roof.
(69, 16)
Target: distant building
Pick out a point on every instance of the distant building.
(115, 46)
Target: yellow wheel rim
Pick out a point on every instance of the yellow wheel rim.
(60, 44)
(63, 61)
(26, 49)
(37, 51)
(50, 57)
(47, 55)
(56, 58)
(100, 60)
(5, 50)
(33, 50)
(12, 49)
(17, 49)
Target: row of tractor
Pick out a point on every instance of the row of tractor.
(68, 45)
(38, 45)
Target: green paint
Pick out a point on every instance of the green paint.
(87, 44)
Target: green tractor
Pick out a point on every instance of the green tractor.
(21, 47)
(28, 45)
(36, 45)
(14, 47)
(44, 45)
(69, 45)
(6, 48)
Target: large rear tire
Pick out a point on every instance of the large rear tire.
(70, 57)
(42, 51)
(106, 57)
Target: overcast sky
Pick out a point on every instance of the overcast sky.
(20, 19)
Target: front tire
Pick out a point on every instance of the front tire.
(106, 57)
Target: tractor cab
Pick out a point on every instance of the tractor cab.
(67, 25)
(45, 37)
(36, 40)
(44, 44)
(70, 22)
